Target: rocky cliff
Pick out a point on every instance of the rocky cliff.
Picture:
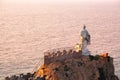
(83, 68)
(71, 65)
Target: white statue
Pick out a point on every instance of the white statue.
(84, 41)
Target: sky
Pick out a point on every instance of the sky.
(20, 3)
(60, 1)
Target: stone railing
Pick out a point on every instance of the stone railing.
(60, 54)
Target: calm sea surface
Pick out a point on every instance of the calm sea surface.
(26, 31)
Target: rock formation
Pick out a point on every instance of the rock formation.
(74, 66)
(71, 65)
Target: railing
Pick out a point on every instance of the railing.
(60, 54)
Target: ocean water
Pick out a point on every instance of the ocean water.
(26, 31)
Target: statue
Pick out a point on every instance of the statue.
(84, 41)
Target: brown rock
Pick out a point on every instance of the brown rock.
(81, 68)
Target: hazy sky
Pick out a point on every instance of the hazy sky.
(66, 1)
(20, 3)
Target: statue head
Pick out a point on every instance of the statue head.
(84, 27)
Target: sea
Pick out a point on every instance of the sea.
(27, 30)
